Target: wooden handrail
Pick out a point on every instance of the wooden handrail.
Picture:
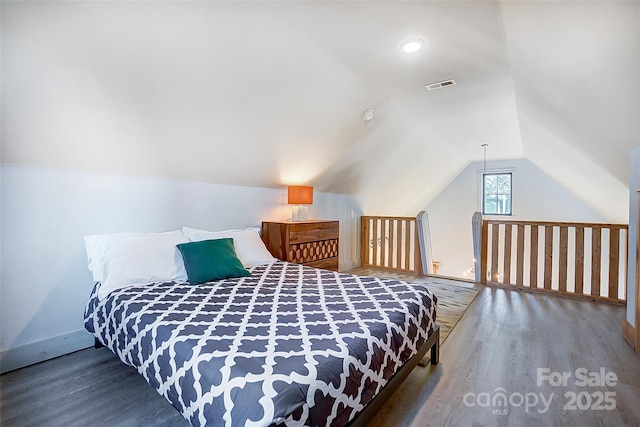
(554, 223)
(391, 243)
(581, 259)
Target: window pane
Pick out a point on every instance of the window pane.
(490, 185)
(506, 205)
(504, 184)
(496, 194)
(491, 204)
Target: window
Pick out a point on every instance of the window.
(496, 194)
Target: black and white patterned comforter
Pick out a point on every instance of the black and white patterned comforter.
(289, 345)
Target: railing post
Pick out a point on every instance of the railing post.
(364, 241)
(476, 228)
(417, 256)
(424, 238)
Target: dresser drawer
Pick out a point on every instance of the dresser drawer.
(306, 252)
(311, 232)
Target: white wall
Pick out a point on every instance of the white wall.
(634, 200)
(46, 212)
(536, 196)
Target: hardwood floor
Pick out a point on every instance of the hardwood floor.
(86, 388)
(502, 340)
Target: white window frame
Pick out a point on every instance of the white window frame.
(497, 171)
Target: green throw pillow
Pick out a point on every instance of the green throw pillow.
(209, 260)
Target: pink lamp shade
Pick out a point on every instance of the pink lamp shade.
(300, 195)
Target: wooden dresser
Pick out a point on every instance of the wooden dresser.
(313, 242)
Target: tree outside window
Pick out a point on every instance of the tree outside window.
(496, 194)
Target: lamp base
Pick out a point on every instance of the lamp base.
(299, 213)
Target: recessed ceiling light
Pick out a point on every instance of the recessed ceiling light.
(412, 45)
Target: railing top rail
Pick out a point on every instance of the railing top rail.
(559, 224)
(367, 217)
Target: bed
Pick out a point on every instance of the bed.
(284, 345)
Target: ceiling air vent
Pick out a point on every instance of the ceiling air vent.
(441, 84)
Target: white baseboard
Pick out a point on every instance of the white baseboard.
(39, 351)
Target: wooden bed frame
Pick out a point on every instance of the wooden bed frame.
(372, 408)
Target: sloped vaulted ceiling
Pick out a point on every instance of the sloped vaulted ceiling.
(272, 93)
(576, 69)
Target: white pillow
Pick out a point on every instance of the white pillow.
(96, 246)
(250, 248)
(135, 258)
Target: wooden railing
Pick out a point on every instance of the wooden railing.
(390, 243)
(580, 259)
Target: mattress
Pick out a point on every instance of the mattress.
(289, 345)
